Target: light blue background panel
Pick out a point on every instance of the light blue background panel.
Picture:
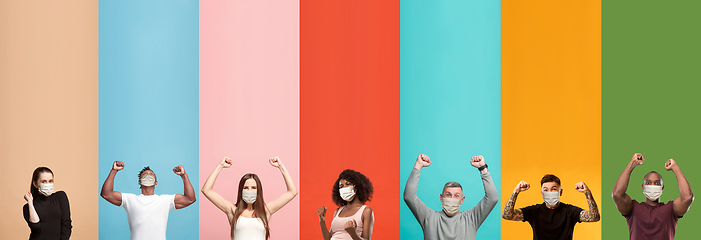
(450, 101)
(148, 95)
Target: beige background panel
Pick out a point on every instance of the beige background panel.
(48, 107)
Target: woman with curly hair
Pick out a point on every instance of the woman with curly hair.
(353, 219)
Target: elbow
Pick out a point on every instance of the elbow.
(688, 199)
(617, 197)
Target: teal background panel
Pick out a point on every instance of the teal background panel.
(450, 102)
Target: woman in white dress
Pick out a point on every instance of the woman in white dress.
(249, 216)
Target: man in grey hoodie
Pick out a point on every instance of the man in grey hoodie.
(450, 223)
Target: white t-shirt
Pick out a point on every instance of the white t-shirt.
(148, 215)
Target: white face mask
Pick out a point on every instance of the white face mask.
(551, 198)
(148, 180)
(451, 205)
(347, 193)
(652, 192)
(46, 189)
(249, 196)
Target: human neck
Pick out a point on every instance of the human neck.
(652, 203)
(553, 207)
(354, 203)
(148, 190)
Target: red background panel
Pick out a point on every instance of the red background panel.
(349, 106)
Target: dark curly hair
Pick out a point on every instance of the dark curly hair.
(363, 187)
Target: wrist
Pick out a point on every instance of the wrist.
(483, 167)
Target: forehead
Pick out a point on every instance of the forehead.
(549, 185)
(453, 190)
(148, 172)
(344, 182)
(652, 177)
(250, 182)
(45, 176)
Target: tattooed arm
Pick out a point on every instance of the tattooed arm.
(593, 214)
(509, 212)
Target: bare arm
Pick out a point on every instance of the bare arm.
(368, 223)
(624, 203)
(189, 198)
(686, 195)
(31, 212)
(282, 200)
(509, 212)
(322, 222)
(108, 192)
(593, 214)
(208, 190)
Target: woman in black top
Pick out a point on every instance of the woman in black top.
(47, 213)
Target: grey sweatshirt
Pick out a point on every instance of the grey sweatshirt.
(437, 225)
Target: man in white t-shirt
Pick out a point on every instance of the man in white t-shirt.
(147, 213)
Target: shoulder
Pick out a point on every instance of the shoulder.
(61, 195)
(532, 207)
(367, 210)
(570, 206)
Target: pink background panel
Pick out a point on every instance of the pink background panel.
(249, 104)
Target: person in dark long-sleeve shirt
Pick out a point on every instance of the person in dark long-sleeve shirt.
(48, 214)
(450, 223)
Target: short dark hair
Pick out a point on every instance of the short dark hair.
(363, 187)
(144, 170)
(451, 184)
(550, 178)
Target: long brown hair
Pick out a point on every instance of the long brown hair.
(259, 208)
(35, 177)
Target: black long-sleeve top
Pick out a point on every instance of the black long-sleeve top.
(54, 217)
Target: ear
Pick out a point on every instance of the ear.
(462, 200)
(440, 196)
(561, 192)
(35, 184)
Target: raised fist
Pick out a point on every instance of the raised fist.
(522, 186)
(117, 165)
(423, 161)
(350, 226)
(477, 161)
(670, 164)
(28, 197)
(180, 170)
(226, 162)
(322, 213)
(637, 159)
(581, 187)
(275, 162)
